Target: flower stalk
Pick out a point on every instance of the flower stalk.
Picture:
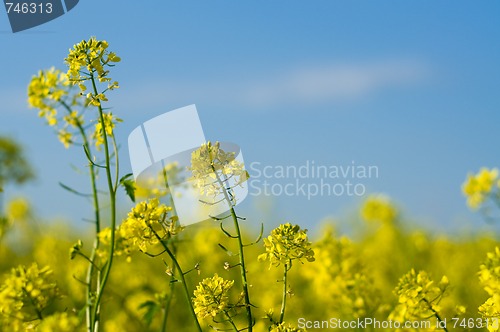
(181, 277)
(241, 253)
(285, 293)
(112, 200)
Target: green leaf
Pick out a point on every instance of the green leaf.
(129, 185)
(151, 309)
(228, 252)
(73, 191)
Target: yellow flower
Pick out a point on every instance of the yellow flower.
(490, 310)
(157, 185)
(489, 273)
(45, 91)
(60, 322)
(73, 119)
(340, 277)
(146, 224)
(478, 186)
(109, 124)
(418, 296)
(210, 162)
(26, 292)
(92, 56)
(285, 244)
(378, 208)
(18, 209)
(65, 137)
(489, 277)
(49, 90)
(285, 328)
(211, 297)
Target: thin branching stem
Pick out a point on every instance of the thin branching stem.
(243, 271)
(171, 286)
(442, 324)
(112, 199)
(97, 216)
(181, 277)
(285, 291)
(230, 320)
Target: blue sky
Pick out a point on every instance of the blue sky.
(409, 87)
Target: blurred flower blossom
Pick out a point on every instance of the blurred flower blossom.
(489, 277)
(378, 208)
(60, 322)
(283, 327)
(45, 90)
(287, 243)
(26, 292)
(478, 186)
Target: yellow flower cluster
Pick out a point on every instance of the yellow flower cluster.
(418, 296)
(287, 243)
(18, 209)
(26, 292)
(60, 322)
(378, 208)
(157, 184)
(45, 92)
(210, 162)
(477, 187)
(50, 89)
(211, 297)
(147, 223)
(110, 122)
(88, 58)
(341, 279)
(283, 327)
(489, 277)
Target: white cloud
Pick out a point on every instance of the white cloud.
(335, 82)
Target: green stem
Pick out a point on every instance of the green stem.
(117, 162)
(283, 301)
(181, 277)
(440, 320)
(243, 270)
(168, 301)
(112, 198)
(32, 302)
(436, 314)
(230, 320)
(95, 246)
